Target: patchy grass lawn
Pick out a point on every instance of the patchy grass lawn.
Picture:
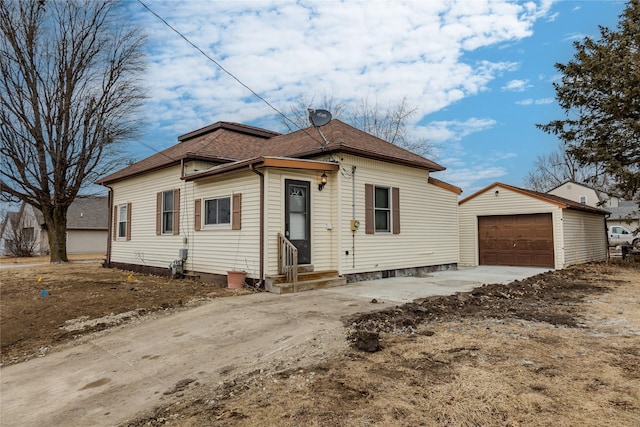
(45, 305)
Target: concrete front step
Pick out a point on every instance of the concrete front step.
(306, 285)
(303, 276)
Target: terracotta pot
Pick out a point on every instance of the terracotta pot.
(235, 279)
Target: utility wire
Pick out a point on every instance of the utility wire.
(226, 71)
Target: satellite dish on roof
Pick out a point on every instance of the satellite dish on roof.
(319, 117)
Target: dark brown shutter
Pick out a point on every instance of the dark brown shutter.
(197, 215)
(369, 217)
(129, 221)
(159, 214)
(115, 222)
(236, 218)
(176, 211)
(395, 200)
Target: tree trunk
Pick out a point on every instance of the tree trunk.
(56, 220)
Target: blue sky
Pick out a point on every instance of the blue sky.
(479, 73)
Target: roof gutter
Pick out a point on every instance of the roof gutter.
(261, 175)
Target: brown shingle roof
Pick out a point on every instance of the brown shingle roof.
(343, 138)
(550, 198)
(222, 141)
(227, 142)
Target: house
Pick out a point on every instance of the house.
(622, 212)
(7, 231)
(584, 194)
(87, 226)
(339, 203)
(506, 225)
(25, 226)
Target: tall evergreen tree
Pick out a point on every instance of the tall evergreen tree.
(600, 94)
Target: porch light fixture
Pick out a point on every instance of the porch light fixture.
(323, 181)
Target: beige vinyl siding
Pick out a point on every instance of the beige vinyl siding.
(573, 191)
(145, 247)
(217, 248)
(584, 237)
(428, 219)
(87, 241)
(506, 203)
(324, 222)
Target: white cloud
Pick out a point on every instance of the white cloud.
(283, 50)
(516, 86)
(530, 101)
(453, 130)
(467, 177)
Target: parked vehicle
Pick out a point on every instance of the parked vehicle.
(619, 235)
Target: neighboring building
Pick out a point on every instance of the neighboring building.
(236, 197)
(506, 225)
(584, 194)
(623, 212)
(7, 231)
(87, 226)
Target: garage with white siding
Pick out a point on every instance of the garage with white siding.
(506, 225)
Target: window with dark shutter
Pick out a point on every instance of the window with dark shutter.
(197, 215)
(236, 219)
(369, 227)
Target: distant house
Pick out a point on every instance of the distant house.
(506, 225)
(626, 213)
(235, 197)
(7, 231)
(87, 226)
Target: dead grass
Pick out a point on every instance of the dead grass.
(46, 305)
(45, 259)
(466, 371)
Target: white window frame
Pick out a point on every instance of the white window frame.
(122, 221)
(377, 209)
(167, 213)
(583, 200)
(205, 212)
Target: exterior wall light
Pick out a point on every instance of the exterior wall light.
(323, 181)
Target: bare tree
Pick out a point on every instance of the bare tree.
(388, 123)
(21, 241)
(559, 166)
(69, 91)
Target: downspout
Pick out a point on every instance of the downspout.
(353, 215)
(261, 175)
(110, 226)
(606, 235)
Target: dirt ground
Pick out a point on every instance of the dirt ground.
(561, 348)
(46, 305)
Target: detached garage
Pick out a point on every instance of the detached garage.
(506, 225)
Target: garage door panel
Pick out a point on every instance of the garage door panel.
(519, 240)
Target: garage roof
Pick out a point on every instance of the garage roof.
(550, 198)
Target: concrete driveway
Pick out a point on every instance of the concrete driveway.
(109, 379)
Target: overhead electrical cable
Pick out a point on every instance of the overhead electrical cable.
(226, 71)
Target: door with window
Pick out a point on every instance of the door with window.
(298, 218)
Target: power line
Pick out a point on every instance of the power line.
(226, 71)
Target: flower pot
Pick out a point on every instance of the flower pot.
(235, 279)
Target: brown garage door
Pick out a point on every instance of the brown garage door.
(519, 240)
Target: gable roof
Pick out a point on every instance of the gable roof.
(222, 142)
(344, 138)
(88, 213)
(602, 196)
(225, 142)
(561, 202)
